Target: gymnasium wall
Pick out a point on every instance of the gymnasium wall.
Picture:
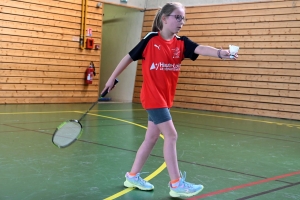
(154, 4)
(122, 27)
(40, 58)
(265, 80)
(136, 4)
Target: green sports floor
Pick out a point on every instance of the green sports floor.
(233, 156)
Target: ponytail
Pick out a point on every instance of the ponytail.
(165, 10)
(157, 23)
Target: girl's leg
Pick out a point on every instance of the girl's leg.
(133, 179)
(146, 147)
(170, 153)
(178, 186)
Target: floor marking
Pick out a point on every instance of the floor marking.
(236, 118)
(50, 112)
(163, 166)
(121, 120)
(119, 110)
(244, 185)
(151, 176)
(209, 115)
(70, 111)
(269, 191)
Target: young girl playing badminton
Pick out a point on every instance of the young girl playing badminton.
(161, 52)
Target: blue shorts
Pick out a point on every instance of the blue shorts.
(159, 115)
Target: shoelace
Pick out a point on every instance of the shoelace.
(140, 178)
(183, 177)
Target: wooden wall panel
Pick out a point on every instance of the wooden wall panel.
(40, 59)
(265, 80)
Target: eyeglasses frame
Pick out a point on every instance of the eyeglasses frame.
(182, 18)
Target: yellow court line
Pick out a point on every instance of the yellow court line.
(114, 119)
(119, 110)
(151, 176)
(70, 111)
(219, 116)
(163, 166)
(236, 118)
(20, 113)
(155, 173)
(117, 119)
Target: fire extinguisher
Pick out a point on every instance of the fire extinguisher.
(90, 73)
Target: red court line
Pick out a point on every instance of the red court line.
(244, 185)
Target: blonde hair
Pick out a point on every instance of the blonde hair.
(165, 10)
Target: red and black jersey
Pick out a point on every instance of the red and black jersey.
(161, 61)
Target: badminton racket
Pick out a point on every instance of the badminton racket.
(69, 131)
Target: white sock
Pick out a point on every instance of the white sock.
(174, 185)
(130, 176)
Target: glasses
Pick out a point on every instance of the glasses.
(179, 18)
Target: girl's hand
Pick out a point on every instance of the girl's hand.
(110, 84)
(225, 54)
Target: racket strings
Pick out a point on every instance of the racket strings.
(67, 133)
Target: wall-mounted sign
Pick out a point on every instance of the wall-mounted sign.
(89, 32)
(75, 38)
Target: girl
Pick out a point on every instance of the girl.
(161, 52)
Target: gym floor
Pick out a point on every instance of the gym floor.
(233, 156)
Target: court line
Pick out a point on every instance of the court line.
(219, 116)
(236, 118)
(159, 156)
(244, 185)
(123, 192)
(162, 166)
(70, 111)
(113, 118)
(212, 128)
(269, 191)
(151, 176)
(21, 113)
(209, 115)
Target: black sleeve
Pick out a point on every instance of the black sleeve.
(137, 52)
(190, 47)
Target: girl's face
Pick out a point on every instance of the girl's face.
(174, 21)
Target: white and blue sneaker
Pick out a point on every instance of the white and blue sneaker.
(137, 182)
(184, 189)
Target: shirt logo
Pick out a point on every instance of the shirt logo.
(152, 66)
(157, 46)
(176, 52)
(165, 66)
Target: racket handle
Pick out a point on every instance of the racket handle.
(106, 91)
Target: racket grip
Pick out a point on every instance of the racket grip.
(106, 91)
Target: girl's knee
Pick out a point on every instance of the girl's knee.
(171, 136)
(152, 139)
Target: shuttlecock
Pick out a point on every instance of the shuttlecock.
(233, 50)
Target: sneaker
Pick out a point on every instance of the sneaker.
(137, 182)
(185, 189)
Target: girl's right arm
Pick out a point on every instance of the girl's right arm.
(120, 67)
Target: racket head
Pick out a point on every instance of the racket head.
(67, 133)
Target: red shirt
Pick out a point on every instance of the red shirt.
(161, 61)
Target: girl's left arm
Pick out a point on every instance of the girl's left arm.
(213, 52)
